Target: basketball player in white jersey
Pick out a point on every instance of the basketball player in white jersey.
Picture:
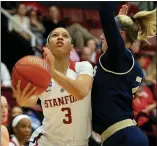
(66, 102)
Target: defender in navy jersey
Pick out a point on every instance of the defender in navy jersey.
(118, 76)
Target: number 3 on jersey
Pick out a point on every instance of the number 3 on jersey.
(68, 119)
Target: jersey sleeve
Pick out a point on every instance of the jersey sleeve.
(84, 67)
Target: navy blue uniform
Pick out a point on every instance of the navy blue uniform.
(118, 76)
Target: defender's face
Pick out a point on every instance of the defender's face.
(104, 43)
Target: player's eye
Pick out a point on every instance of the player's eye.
(65, 36)
(54, 35)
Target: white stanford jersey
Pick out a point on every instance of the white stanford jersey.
(66, 118)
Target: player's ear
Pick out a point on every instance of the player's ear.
(123, 35)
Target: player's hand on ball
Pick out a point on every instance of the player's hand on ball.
(50, 59)
(23, 96)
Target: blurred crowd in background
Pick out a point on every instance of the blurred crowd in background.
(85, 28)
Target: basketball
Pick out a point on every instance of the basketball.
(34, 70)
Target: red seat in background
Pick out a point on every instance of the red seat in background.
(92, 18)
(96, 32)
(74, 15)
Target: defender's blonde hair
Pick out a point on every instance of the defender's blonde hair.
(142, 25)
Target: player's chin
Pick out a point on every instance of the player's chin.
(60, 53)
(63, 50)
(4, 118)
(104, 48)
(27, 137)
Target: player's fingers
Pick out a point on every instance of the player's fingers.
(31, 92)
(120, 12)
(48, 56)
(49, 59)
(123, 7)
(46, 50)
(25, 90)
(127, 8)
(45, 54)
(13, 89)
(18, 87)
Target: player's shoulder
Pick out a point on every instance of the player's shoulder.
(3, 65)
(84, 64)
(76, 66)
(4, 130)
(84, 67)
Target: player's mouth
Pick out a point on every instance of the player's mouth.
(60, 43)
(4, 116)
(27, 135)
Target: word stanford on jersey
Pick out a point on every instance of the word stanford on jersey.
(60, 101)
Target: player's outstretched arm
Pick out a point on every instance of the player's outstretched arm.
(80, 87)
(24, 98)
(116, 46)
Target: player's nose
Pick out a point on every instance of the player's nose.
(27, 130)
(60, 37)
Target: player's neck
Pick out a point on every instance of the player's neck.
(21, 141)
(127, 45)
(61, 64)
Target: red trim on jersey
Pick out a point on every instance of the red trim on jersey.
(36, 140)
(72, 65)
